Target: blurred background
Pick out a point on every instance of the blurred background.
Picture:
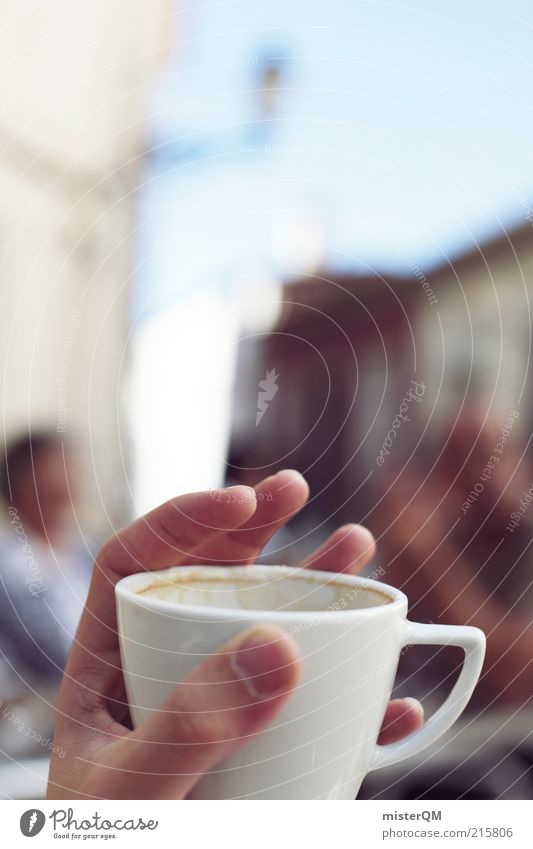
(236, 237)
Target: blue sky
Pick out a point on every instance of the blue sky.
(403, 129)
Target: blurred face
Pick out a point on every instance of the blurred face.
(44, 493)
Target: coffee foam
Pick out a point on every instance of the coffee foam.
(298, 592)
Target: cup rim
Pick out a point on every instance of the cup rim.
(127, 589)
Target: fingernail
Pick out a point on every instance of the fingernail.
(266, 663)
(294, 473)
(414, 703)
(249, 489)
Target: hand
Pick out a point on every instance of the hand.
(434, 567)
(252, 675)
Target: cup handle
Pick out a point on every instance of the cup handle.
(472, 640)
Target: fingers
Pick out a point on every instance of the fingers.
(349, 549)
(226, 700)
(403, 716)
(278, 498)
(164, 537)
(168, 535)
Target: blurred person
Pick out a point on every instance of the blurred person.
(450, 545)
(44, 578)
(445, 531)
(96, 752)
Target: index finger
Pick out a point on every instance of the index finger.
(164, 537)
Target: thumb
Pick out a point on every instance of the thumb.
(225, 701)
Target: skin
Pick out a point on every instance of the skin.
(229, 697)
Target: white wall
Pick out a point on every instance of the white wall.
(74, 85)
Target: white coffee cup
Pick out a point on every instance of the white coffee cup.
(350, 632)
